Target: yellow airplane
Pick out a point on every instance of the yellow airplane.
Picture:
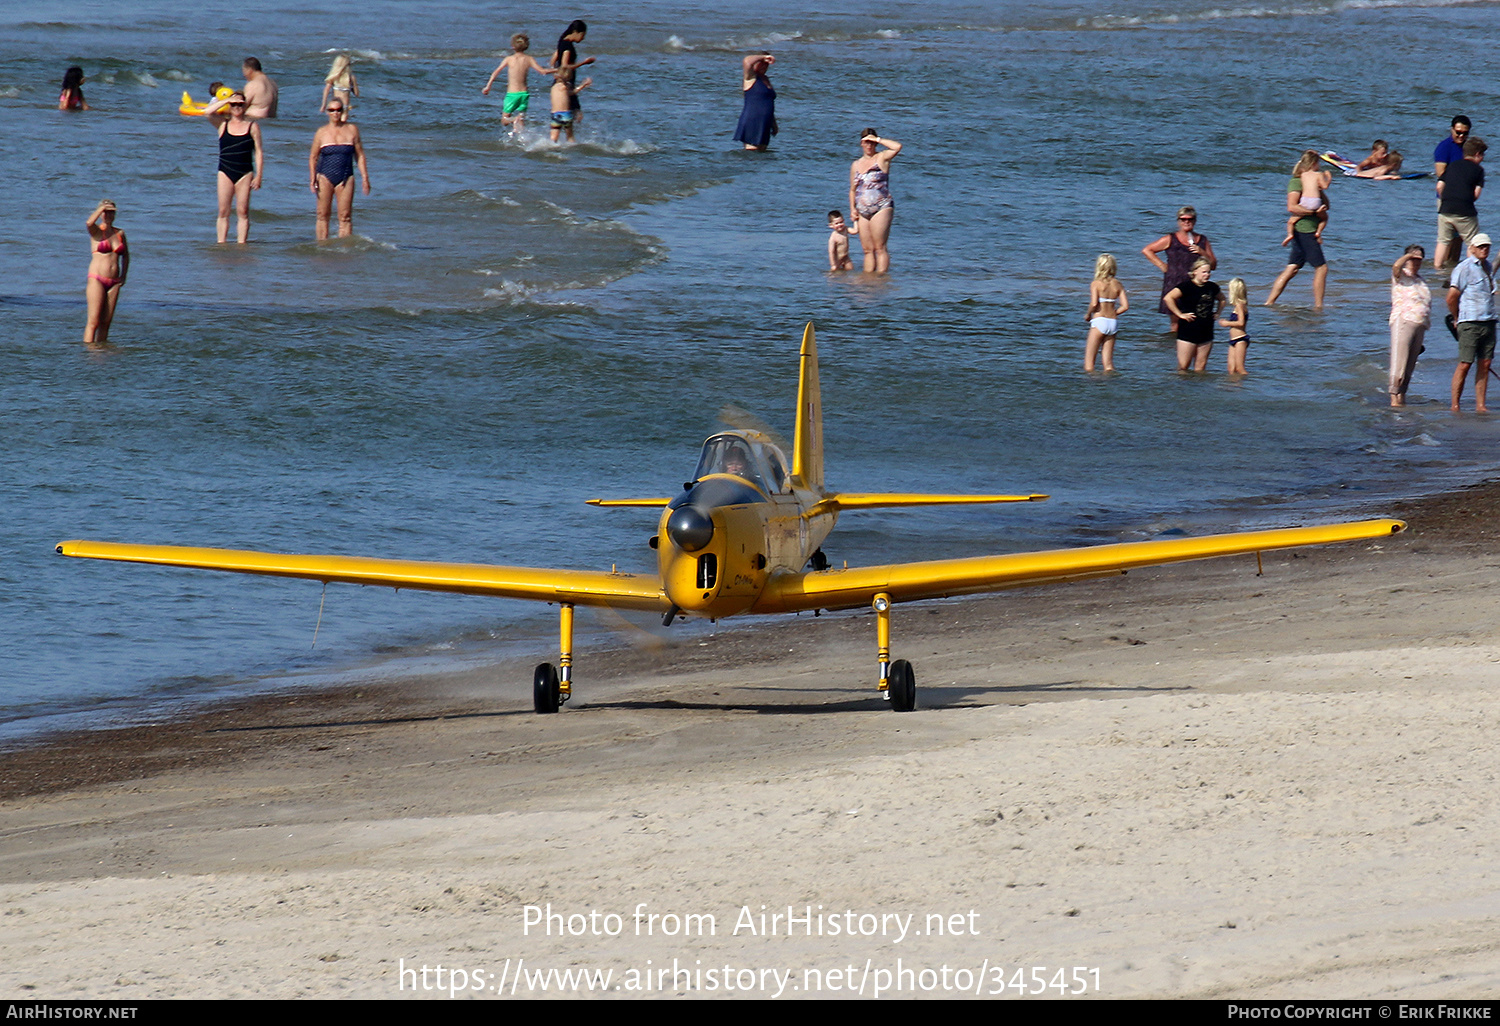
(746, 536)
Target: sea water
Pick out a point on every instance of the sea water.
(518, 326)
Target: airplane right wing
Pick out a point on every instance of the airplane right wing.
(580, 587)
(907, 582)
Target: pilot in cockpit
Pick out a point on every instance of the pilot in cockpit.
(736, 461)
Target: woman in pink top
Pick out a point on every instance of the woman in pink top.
(1411, 313)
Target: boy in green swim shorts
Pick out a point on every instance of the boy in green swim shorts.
(517, 66)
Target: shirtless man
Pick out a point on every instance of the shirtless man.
(260, 91)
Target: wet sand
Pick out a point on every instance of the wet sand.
(1199, 781)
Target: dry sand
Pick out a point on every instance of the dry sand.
(1196, 781)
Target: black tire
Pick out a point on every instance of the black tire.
(901, 685)
(545, 694)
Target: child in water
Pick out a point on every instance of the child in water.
(1314, 198)
(1107, 301)
(1379, 152)
(562, 98)
(517, 94)
(1237, 322)
(1387, 170)
(838, 242)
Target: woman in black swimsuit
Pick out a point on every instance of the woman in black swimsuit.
(240, 161)
(336, 148)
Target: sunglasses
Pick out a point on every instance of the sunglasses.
(335, 110)
(1188, 220)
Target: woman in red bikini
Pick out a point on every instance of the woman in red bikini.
(108, 267)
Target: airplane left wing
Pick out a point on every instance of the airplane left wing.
(580, 587)
(906, 582)
(627, 502)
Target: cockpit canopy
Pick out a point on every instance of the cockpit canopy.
(748, 456)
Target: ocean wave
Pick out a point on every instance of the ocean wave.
(366, 55)
(764, 41)
(10, 92)
(173, 75)
(127, 77)
(472, 197)
(1117, 21)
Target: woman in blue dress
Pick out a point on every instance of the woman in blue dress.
(758, 118)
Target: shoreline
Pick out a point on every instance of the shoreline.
(211, 731)
(1199, 781)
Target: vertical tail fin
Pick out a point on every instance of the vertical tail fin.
(807, 460)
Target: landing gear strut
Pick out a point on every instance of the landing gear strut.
(549, 688)
(897, 681)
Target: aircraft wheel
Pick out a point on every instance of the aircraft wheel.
(901, 685)
(545, 694)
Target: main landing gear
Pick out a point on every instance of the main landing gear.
(550, 689)
(897, 681)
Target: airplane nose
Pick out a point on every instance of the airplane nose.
(690, 528)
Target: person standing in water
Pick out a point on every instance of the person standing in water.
(1107, 301)
(1237, 322)
(260, 90)
(240, 161)
(1181, 248)
(758, 115)
(109, 264)
(1195, 304)
(341, 82)
(336, 149)
(1471, 303)
(71, 97)
(1411, 313)
(870, 202)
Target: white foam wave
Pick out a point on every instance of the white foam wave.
(677, 43)
(1116, 21)
(173, 75)
(511, 290)
(888, 33)
(9, 93)
(144, 78)
(628, 147)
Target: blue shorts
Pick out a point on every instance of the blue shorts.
(1305, 250)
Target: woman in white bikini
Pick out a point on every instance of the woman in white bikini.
(1107, 301)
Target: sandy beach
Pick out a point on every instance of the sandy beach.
(1190, 781)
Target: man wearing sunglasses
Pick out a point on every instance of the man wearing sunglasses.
(1452, 148)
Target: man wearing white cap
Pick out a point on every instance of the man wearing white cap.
(1471, 302)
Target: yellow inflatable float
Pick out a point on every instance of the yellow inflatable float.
(190, 108)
